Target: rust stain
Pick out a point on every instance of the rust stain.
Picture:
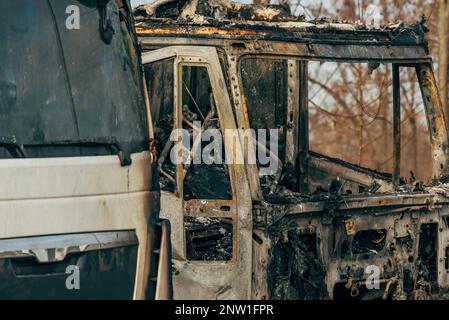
(200, 31)
(350, 228)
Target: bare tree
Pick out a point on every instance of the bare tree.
(351, 105)
(443, 29)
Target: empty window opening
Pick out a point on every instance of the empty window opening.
(350, 113)
(266, 100)
(204, 179)
(351, 117)
(159, 77)
(416, 157)
(209, 239)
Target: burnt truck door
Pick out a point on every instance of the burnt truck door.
(211, 222)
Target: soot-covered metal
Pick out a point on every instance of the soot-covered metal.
(306, 236)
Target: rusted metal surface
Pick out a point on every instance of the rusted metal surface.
(299, 243)
(435, 120)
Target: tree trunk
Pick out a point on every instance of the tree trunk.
(443, 29)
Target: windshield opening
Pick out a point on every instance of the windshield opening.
(67, 85)
(350, 124)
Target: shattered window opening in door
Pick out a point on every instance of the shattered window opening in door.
(266, 102)
(207, 238)
(202, 180)
(160, 80)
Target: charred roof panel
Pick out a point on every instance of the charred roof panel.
(221, 19)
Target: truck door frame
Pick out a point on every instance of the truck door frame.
(208, 279)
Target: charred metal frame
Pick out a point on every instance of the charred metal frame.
(396, 127)
(401, 214)
(237, 272)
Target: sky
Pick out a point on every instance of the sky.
(135, 3)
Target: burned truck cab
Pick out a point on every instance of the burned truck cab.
(290, 222)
